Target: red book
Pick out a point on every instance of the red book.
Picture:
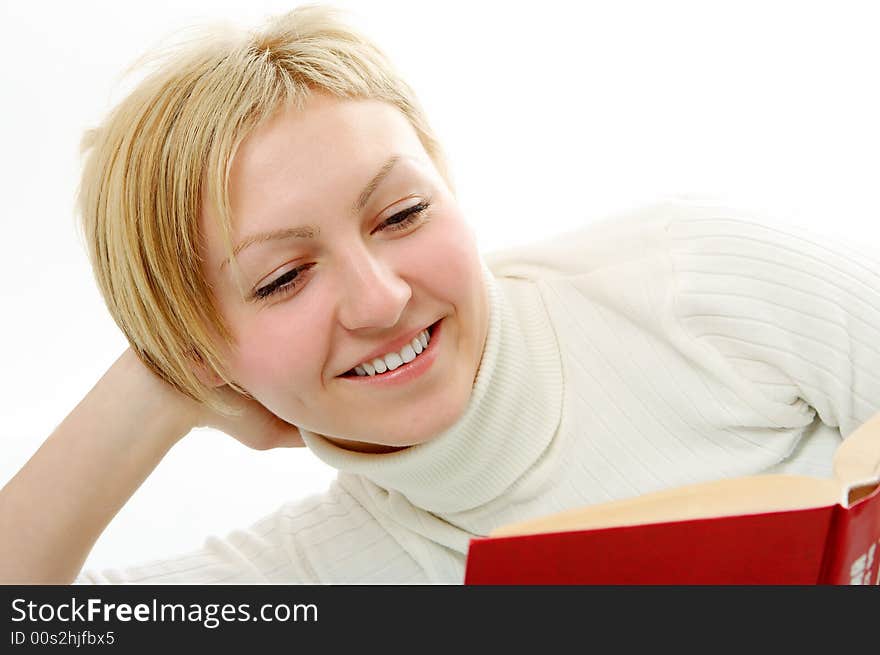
(762, 529)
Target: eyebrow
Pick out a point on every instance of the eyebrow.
(310, 231)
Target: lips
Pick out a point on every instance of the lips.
(378, 353)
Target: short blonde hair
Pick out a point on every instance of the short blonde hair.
(169, 144)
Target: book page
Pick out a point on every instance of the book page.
(755, 494)
(857, 460)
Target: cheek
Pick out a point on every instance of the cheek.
(279, 349)
(448, 260)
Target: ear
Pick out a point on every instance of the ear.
(205, 374)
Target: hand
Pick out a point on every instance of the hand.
(256, 427)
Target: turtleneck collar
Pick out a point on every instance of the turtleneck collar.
(510, 419)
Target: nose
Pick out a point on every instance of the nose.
(373, 295)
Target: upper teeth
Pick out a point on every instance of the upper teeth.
(391, 361)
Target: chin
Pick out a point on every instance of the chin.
(418, 426)
(441, 419)
(413, 432)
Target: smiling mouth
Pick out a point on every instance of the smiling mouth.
(351, 373)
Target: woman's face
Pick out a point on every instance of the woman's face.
(350, 243)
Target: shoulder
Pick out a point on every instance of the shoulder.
(611, 240)
(675, 226)
(774, 255)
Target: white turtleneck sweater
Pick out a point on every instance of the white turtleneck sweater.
(662, 346)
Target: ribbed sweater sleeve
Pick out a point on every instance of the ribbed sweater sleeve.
(794, 311)
(324, 538)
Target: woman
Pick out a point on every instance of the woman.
(272, 227)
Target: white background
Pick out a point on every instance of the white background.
(552, 113)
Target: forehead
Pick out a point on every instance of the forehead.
(313, 151)
(308, 158)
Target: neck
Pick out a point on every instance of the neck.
(364, 446)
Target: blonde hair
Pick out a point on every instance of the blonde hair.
(169, 144)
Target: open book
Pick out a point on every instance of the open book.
(760, 529)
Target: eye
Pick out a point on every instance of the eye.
(284, 283)
(406, 217)
(295, 277)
